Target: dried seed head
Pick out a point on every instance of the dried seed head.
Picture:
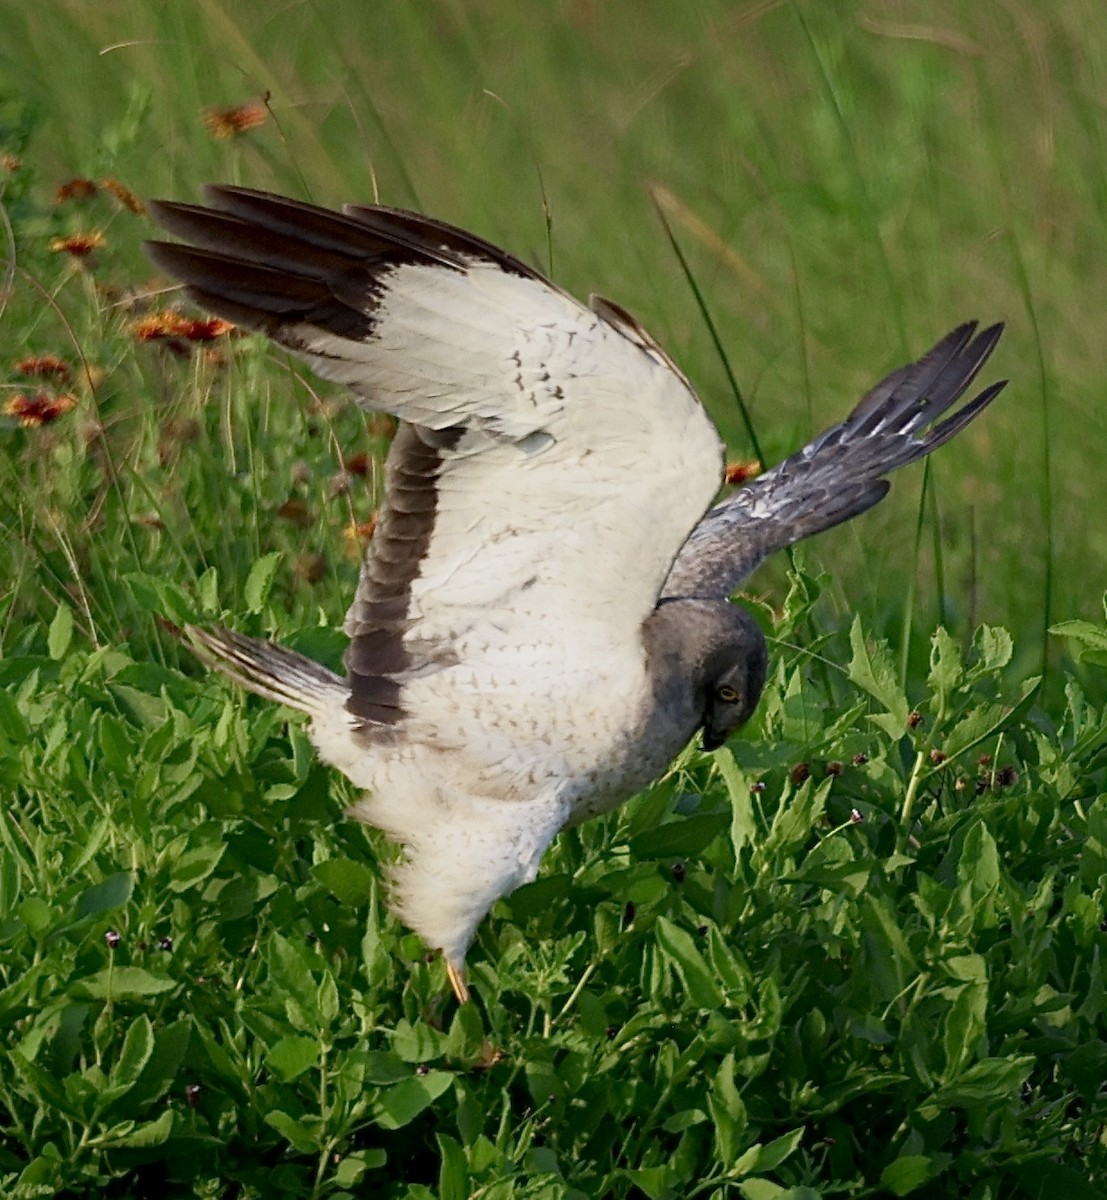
(310, 567)
(800, 772)
(123, 194)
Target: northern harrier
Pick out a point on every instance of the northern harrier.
(542, 620)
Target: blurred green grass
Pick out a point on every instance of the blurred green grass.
(847, 181)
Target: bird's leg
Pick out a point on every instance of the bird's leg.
(456, 976)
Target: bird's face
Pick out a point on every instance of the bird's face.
(734, 687)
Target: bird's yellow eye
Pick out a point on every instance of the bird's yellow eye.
(727, 694)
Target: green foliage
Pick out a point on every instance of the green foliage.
(829, 960)
(859, 952)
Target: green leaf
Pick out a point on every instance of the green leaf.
(160, 1072)
(293, 1131)
(195, 864)
(761, 1189)
(153, 1133)
(350, 882)
(946, 667)
(996, 647)
(350, 1170)
(873, 672)
(400, 1104)
(260, 580)
(117, 983)
(292, 1056)
(728, 1112)
(61, 632)
(681, 838)
(743, 823)
(682, 952)
(102, 897)
(771, 1155)
(907, 1173)
(453, 1175)
(984, 1082)
(138, 1045)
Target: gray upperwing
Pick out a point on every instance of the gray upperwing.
(841, 472)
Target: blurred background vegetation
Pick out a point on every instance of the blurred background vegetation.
(847, 181)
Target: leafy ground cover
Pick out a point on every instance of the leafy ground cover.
(858, 953)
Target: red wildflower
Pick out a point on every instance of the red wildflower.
(48, 366)
(171, 324)
(741, 472)
(80, 245)
(74, 189)
(226, 123)
(39, 409)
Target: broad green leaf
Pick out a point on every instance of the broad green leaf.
(453, 1176)
(117, 983)
(138, 1045)
(351, 882)
(769, 1156)
(153, 1133)
(760, 1189)
(873, 672)
(684, 837)
(112, 892)
(353, 1166)
(986, 1081)
(946, 667)
(728, 1112)
(743, 823)
(160, 1073)
(260, 580)
(682, 952)
(996, 647)
(653, 1182)
(904, 1175)
(194, 865)
(293, 1131)
(61, 632)
(400, 1104)
(292, 1056)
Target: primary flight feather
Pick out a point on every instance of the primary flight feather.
(542, 620)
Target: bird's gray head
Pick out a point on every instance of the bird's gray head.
(708, 660)
(733, 676)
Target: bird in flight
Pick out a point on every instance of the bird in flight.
(543, 619)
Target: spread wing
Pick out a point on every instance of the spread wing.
(551, 459)
(842, 472)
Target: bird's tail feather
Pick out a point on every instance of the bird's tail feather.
(267, 669)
